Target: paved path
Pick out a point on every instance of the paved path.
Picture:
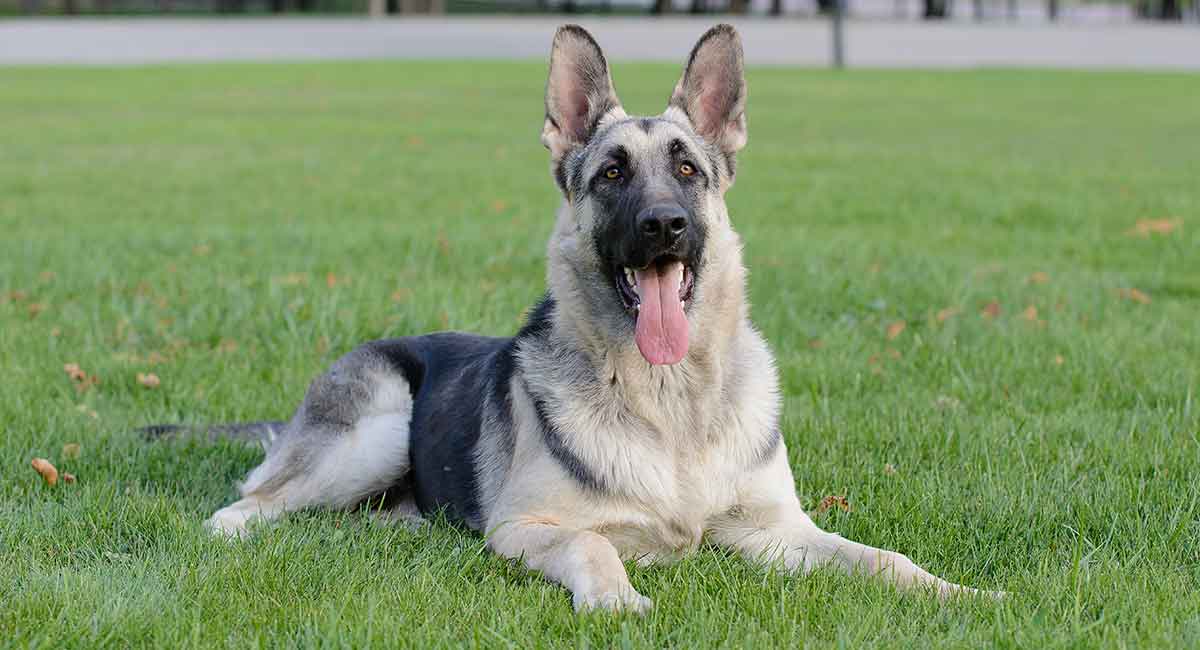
(805, 42)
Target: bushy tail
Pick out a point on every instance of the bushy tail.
(263, 433)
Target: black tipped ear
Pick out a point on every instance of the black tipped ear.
(712, 91)
(579, 92)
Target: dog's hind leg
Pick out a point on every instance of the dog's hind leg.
(347, 442)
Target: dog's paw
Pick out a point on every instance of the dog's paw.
(227, 523)
(624, 599)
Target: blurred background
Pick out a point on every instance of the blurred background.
(868, 33)
(1108, 11)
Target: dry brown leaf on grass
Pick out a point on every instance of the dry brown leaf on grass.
(148, 379)
(81, 379)
(332, 280)
(831, 501)
(815, 344)
(889, 469)
(1059, 360)
(36, 308)
(68, 477)
(291, 279)
(1037, 277)
(1147, 227)
(895, 329)
(401, 294)
(946, 314)
(991, 310)
(1134, 295)
(1030, 314)
(70, 450)
(15, 296)
(499, 205)
(227, 346)
(46, 469)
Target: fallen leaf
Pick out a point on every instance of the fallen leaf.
(36, 308)
(15, 296)
(833, 500)
(1147, 227)
(48, 471)
(291, 279)
(56, 332)
(148, 379)
(991, 310)
(1134, 295)
(74, 371)
(895, 329)
(47, 276)
(946, 314)
(227, 346)
(70, 450)
(401, 295)
(889, 469)
(815, 344)
(1059, 360)
(68, 477)
(1038, 277)
(81, 379)
(1030, 314)
(499, 205)
(945, 403)
(415, 141)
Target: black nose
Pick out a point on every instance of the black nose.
(662, 224)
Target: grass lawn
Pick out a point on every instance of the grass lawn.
(979, 350)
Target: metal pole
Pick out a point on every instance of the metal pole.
(839, 39)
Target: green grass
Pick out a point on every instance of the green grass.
(190, 221)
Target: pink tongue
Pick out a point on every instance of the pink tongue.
(662, 329)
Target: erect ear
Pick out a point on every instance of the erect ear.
(712, 91)
(579, 92)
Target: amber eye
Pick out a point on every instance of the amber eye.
(686, 169)
(612, 173)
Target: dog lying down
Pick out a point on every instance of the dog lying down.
(633, 417)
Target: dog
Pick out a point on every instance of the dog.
(634, 416)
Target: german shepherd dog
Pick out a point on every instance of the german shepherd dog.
(636, 414)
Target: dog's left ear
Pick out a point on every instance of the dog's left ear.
(712, 91)
(579, 91)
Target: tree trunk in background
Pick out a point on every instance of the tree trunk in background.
(739, 6)
(699, 6)
(661, 7)
(1012, 9)
(1052, 9)
(69, 7)
(277, 6)
(1170, 10)
(977, 10)
(826, 7)
(31, 6)
(934, 9)
(776, 7)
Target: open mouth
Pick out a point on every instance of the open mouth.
(656, 297)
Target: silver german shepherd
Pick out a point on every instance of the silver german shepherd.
(636, 414)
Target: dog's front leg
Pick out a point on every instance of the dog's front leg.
(582, 561)
(771, 527)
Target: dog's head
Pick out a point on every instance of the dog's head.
(644, 239)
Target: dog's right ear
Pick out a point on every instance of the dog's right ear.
(579, 92)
